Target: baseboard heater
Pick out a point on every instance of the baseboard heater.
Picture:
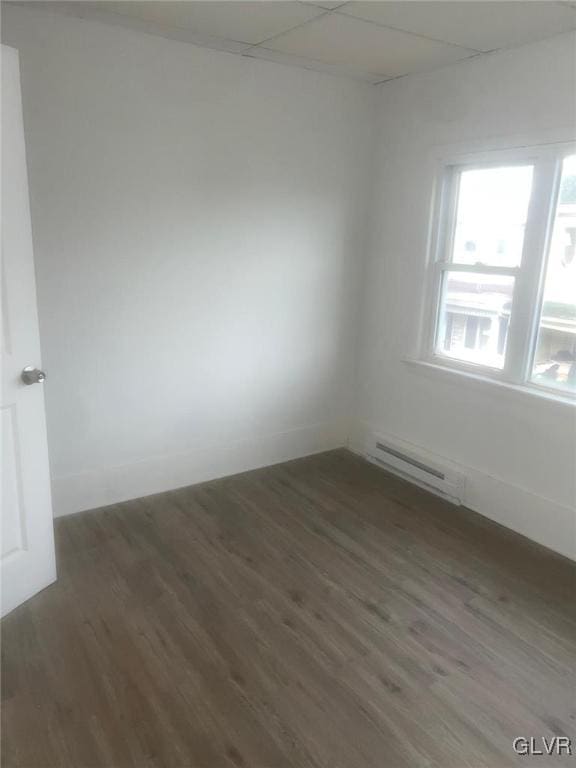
(439, 477)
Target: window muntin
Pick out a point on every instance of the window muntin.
(489, 276)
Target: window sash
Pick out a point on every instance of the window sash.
(525, 313)
(528, 276)
(454, 362)
(451, 183)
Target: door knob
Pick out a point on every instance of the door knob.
(32, 375)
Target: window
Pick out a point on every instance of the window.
(504, 278)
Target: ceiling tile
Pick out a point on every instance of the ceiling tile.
(259, 52)
(328, 5)
(338, 39)
(245, 22)
(483, 26)
(371, 41)
(96, 12)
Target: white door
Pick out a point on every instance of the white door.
(27, 546)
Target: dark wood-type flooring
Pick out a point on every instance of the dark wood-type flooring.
(320, 613)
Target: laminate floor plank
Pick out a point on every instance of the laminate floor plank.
(315, 614)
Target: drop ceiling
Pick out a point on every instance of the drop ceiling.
(371, 41)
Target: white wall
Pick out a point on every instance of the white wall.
(199, 230)
(518, 450)
(198, 225)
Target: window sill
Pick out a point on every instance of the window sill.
(475, 379)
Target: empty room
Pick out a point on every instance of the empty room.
(288, 354)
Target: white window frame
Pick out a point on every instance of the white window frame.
(529, 275)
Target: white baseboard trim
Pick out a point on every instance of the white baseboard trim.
(99, 488)
(543, 520)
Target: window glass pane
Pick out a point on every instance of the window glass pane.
(474, 317)
(555, 359)
(491, 216)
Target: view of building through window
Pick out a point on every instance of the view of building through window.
(474, 317)
(555, 359)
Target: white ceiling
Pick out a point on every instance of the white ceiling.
(372, 41)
